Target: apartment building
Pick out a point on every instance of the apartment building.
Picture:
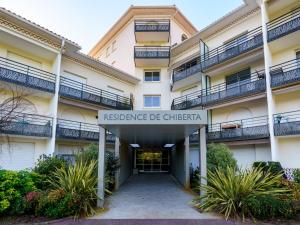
(243, 69)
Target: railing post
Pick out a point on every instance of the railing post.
(81, 94)
(79, 130)
(117, 101)
(221, 135)
(27, 75)
(242, 128)
(23, 123)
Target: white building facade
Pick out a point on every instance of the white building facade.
(244, 69)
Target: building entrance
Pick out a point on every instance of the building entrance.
(152, 160)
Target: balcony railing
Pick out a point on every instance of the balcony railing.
(245, 43)
(15, 123)
(182, 73)
(284, 25)
(246, 129)
(222, 92)
(285, 73)
(21, 74)
(76, 90)
(152, 26)
(68, 129)
(152, 52)
(287, 123)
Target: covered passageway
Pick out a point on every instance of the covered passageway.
(153, 146)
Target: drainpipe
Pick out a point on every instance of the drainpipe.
(54, 100)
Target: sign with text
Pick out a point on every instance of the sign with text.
(153, 117)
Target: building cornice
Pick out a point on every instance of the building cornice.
(101, 67)
(30, 29)
(133, 11)
(235, 16)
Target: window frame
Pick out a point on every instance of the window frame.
(152, 71)
(151, 107)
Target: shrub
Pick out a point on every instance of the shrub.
(272, 167)
(269, 207)
(112, 163)
(13, 188)
(227, 190)
(56, 204)
(79, 181)
(219, 156)
(44, 169)
(296, 174)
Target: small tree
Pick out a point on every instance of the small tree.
(219, 156)
(10, 106)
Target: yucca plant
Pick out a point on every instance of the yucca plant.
(227, 190)
(79, 181)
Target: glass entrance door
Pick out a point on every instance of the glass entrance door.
(152, 160)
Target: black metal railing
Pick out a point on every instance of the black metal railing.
(152, 26)
(183, 72)
(222, 92)
(245, 43)
(285, 73)
(152, 52)
(21, 74)
(245, 129)
(284, 25)
(68, 129)
(76, 90)
(16, 123)
(287, 123)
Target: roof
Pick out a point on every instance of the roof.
(98, 65)
(39, 31)
(235, 15)
(143, 10)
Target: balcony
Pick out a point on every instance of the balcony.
(246, 129)
(222, 93)
(27, 76)
(73, 130)
(26, 124)
(67, 129)
(287, 123)
(152, 56)
(244, 43)
(190, 70)
(284, 25)
(89, 94)
(152, 30)
(285, 74)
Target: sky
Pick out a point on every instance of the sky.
(86, 21)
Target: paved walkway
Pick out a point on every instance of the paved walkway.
(151, 196)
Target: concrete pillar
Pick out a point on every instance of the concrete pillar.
(187, 161)
(202, 160)
(101, 167)
(270, 97)
(54, 105)
(117, 154)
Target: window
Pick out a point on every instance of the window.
(151, 101)
(107, 51)
(298, 55)
(235, 41)
(74, 77)
(238, 78)
(114, 46)
(184, 37)
(152, 76)
(115, 90)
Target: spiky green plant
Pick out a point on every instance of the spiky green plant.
(78, 180)
(227, 190)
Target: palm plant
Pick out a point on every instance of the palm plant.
(79, 181)
(227, 190)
